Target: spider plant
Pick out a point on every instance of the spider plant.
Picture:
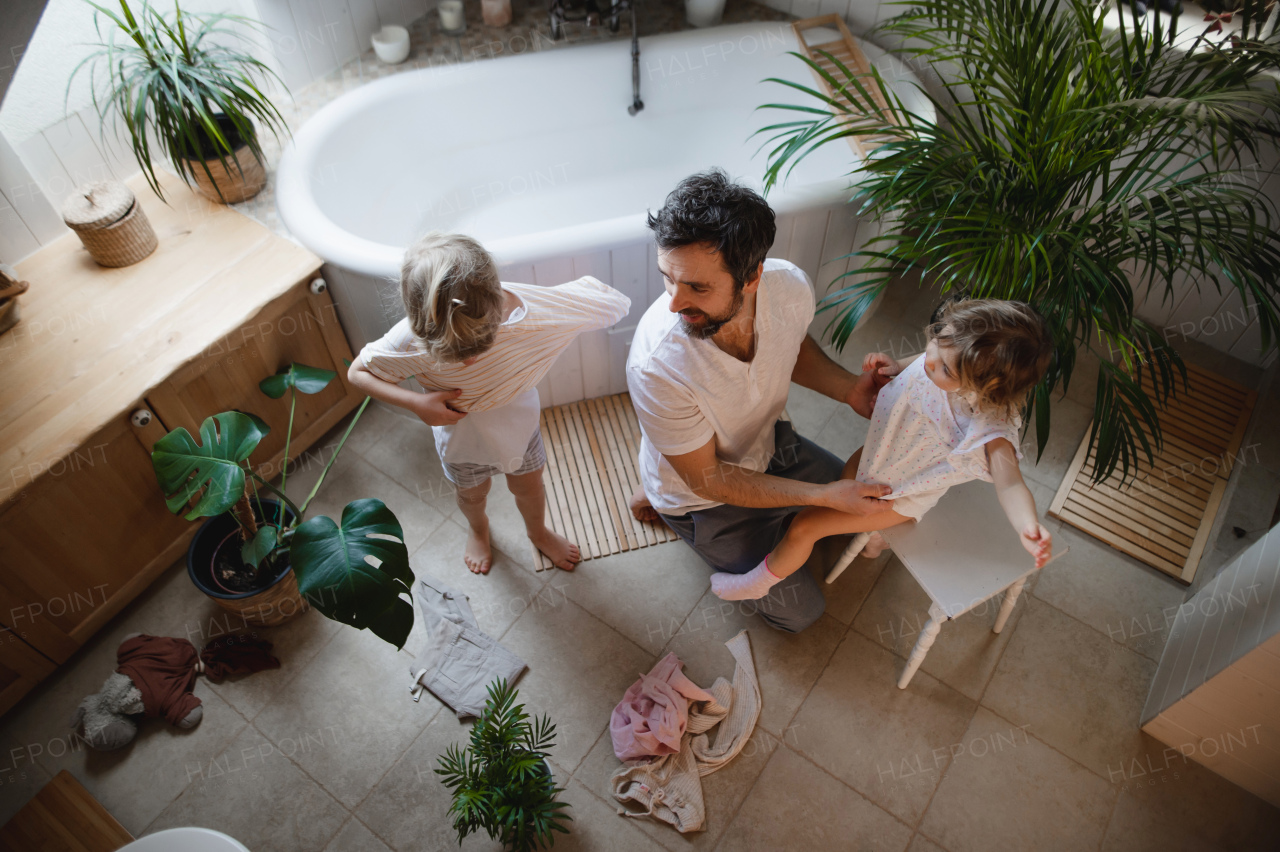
(1083, 169)
(184, 78)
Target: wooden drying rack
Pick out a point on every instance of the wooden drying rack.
(846, 51)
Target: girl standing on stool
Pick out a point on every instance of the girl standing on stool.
(950, 416)
(478, 348)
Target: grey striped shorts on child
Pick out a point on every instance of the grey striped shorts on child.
(469, 475)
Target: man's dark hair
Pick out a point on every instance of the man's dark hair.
(731, 218)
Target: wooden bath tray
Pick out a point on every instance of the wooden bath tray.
(1162, 516)
(846, 50)
(592, 448)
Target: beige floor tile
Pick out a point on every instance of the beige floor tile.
(722, 791)
(844, 433)
(1008, 790)
(882, 741)
(579, 668)
(353, 478)
(1068, 422)
(22, 778)
(496, 598)
(355, 837)
(920, 843)
(965, 652)
(846, 596)
(797, 806)
(405, 451)
(1134, 828)
(1158, 783)
(254, 792)
(809, 410)
(1126, 601)
(598, 826)
(1077, 690)
(359, 737)
(294, 644)
(409, 809)
(639, 592)
(787, 664)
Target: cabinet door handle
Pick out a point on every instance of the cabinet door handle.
(141, 418)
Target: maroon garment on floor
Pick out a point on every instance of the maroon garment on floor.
(164, 671)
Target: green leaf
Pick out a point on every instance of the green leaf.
(263, 542)
(358, 572)
(210, 469)
(305, 379)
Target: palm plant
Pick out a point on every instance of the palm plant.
(500, 782)
(1079, 168)
(182, 79)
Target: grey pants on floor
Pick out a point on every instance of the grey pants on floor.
(736, 538)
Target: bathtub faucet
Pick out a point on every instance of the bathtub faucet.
(636, 103)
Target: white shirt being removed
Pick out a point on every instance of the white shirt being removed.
(687, 391)
(499, 390)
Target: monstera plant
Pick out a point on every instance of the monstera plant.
(355, 571)
(1081, 162)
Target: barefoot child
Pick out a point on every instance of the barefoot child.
(949, 417)
(478, 348)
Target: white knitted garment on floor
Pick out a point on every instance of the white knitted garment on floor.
(669, 788)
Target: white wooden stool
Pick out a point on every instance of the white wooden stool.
(962, 553)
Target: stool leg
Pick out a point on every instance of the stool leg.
(850, 553)
(923, 643)
(1010, 598)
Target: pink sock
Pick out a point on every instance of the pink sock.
(754, 584)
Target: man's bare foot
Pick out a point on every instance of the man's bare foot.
(563, 553)
(642, 508)
(477, 554)
(875, 546)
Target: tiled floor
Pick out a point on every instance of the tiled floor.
(1025, 740)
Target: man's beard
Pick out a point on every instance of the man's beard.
(713, 324)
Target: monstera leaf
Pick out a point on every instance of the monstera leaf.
(356, 573)
(305, 379)
(184, 468)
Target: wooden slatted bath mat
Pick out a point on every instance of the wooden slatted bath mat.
(1162, 516)
(591, 474)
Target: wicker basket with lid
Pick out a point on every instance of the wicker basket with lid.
(110, 223)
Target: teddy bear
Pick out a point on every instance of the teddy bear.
(155, 676)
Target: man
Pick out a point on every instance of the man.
(710, 367)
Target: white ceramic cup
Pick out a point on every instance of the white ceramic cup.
(391, 44)
(451, 17)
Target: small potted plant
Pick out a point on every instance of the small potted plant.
(189, 83)
(501, 781)
(258, 557)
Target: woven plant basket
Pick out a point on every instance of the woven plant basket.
(110, 222)
(234, 185)
(10, 290)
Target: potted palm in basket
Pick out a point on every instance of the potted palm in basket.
(501, 781)
(1075, 166)
(263, 558)
(188, 83)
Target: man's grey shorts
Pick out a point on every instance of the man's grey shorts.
(735, 538)
(467, 475)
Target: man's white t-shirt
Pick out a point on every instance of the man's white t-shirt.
(498, 390)
(686, 390)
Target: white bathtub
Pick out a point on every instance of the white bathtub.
(536, 156)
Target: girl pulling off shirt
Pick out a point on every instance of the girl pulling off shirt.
(950, 416)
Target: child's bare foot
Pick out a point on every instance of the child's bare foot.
(642, 509)
(875, 546)
(563, 553)
(477, 554)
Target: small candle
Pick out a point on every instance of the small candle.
(451, 17)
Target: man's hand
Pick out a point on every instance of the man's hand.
(856, 498)
(434, 408)
(877, 370)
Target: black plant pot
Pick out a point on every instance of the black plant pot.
(276, 602)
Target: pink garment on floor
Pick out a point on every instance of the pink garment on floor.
(653, 714)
